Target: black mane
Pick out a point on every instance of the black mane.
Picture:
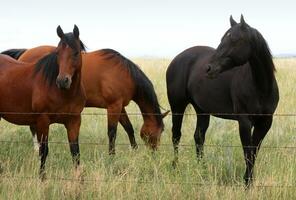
(144, 87)
(48, 65)
(14, 53)
(262, 60)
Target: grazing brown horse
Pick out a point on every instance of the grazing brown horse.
(47, 92)
(111, 81)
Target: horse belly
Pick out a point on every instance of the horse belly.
(15, 107)
(19, 112)
(213, 96)
(215, 106)
(221, 108)
(95, 101)
(20, 119)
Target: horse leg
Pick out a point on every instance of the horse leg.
(261, 127)
(42, 127)
(128, 127)
(202, 125)
(113, 111)
(177, 118)
(34, 137)
(73, 126)
(245, 127)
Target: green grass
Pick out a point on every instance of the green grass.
(142, 175)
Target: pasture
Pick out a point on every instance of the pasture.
(142, 175)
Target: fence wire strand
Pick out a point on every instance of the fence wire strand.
(140, 114)
(91, 181)
(161, 145)
(25, 178)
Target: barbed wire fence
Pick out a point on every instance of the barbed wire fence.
(97, 180)
(91, 181)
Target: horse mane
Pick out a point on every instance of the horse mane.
(48, 65)
(144, 88)
(14, 53)
(262, 59)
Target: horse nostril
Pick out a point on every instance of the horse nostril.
(66, 81)
(209, 68)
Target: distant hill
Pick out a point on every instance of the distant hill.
(285, 55)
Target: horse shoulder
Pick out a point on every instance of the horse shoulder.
(39, 98)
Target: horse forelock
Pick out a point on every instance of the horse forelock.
(70, 40)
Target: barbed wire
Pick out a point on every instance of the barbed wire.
(161, 145)
(157, 114)
(91, 181)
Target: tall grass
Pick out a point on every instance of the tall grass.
(142, 175)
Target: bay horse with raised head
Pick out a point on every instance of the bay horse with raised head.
(237, 79)
(111, 81)
(47, 92)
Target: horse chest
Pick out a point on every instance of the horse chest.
(211, 95)
(59, 102)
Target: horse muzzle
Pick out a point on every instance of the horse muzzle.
(64, 82)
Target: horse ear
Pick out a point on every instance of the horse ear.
(60, 32)
(76, 31)
(243, 22)
(163, 115)
(232, 21)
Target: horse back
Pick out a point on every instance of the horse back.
(35, 54)
(106, 80)
(179, 70)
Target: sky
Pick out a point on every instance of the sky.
(162, 28)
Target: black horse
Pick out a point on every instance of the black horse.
(246, 91)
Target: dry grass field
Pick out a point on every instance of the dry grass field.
(142, 175)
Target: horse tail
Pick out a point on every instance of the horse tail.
(14, 53)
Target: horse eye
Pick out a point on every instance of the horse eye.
(64, 44)
(228, 34)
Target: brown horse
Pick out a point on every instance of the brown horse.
(111, 81)
(43, 93)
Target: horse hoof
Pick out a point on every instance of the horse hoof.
(135, 147)
(248, 182)
(79, 174)
(42, 176)
(174, 164)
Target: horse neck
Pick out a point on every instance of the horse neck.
(150, 116)
(76, 83)
(262, 69)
